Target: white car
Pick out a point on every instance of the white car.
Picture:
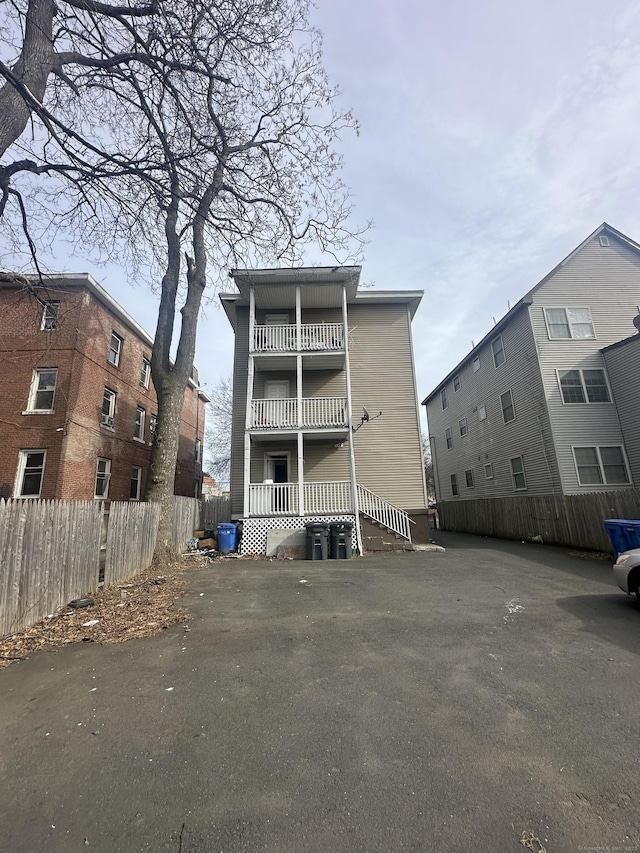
(626, 571)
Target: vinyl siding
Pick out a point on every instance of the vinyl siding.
(623, 367)
(605, 279)
(491, 441)
(240, 368)
(387, 451)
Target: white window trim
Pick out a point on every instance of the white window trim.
(270, 454)
(48, 303)
(475, 364)
(565, 308)
(513, 406)
(22, 464)
(587, 402)
(143, 422)
(473, 479)
(112, 409)
(504, 355)
(445, 437)
(139, 470)
(485, 413)
(30, 410)
(444, 399)
(147, 379)
(604, 482)
(107, 472)
(513, 476)
(466, 427)
(115, 363)
(490, 466)
(454, 478)
(455, 390)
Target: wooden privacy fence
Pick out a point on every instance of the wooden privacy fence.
(572, 520)
(186, 519)
(131, 540)
(214, 511)
(49, 554)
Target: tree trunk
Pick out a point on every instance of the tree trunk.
(32, 70)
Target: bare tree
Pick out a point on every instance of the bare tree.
(211, 144)
(218, 432)
(428, 469)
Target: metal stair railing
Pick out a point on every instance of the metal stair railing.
(385, 513)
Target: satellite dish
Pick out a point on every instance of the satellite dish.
(636, 322)
(366, 413)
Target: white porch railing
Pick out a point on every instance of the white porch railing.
(383, 512)
(316, 337)
(282, 413)
(267, 499)
(327, 497)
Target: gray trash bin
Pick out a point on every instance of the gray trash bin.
(340, 533)
(317, 541)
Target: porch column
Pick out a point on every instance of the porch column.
(352, 458)
(298, 357)
(300, 473)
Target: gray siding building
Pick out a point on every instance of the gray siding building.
(532, 409)
(316, 361)
(623, 368)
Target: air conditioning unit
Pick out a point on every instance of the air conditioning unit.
(107, 420)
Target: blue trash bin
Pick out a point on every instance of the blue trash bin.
(227, 537)
(624, 534)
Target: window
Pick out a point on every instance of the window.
(103, 474)
(462, 423)
(584, 386)
(153, 426)
(108, 408)
(517, 472)
(50, 316)
(30, 472)
(469, 478)
(497, 348)
(482, 413)
(198, 450)
(475, 364)
(115, 348)
(597, 465)
(448, 437)
(43, 387)
(138, 432)
(136, 482)
(488, 471)
(456, 383)
(508, 412)
(145, 372)
(569, 323)
(443, 398)
(454, 485)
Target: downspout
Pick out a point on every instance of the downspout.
(352, 459)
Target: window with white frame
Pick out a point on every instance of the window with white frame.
(136, 483)
(443, 398)
(43, 388)
(497, 348)
(153, 426)
(115, 349)
(599, 465)
(145, 372)
(475, 364)
(141, 415)
(568, 323)
(50, 316)
(462, 424)
(30, 473)
(454, 485)
(482, 413)
(583, 386)
(448, 438)
(108, 408)
(508, 411)
(488, 471)
(456, 383)
(517, 472)
(468, 474)
(103, 475)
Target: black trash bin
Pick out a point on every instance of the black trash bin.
(340, 532)
(317, 541)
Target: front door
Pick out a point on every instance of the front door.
(277, 469)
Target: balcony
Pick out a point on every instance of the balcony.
(314, 337)
(316, 413)
(275, 499)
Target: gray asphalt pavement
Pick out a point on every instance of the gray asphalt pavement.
(415, 702)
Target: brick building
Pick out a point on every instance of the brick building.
(77, 404)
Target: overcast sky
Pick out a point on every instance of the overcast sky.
(495, 136)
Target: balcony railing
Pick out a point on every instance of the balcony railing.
(314, 337)
(282, 413)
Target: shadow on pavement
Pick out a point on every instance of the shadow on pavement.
(614, 618)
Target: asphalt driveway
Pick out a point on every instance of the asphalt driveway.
(421, 702)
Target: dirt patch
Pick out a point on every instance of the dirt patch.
(146, 605)
(592, 555)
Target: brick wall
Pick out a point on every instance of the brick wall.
(72, 434)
